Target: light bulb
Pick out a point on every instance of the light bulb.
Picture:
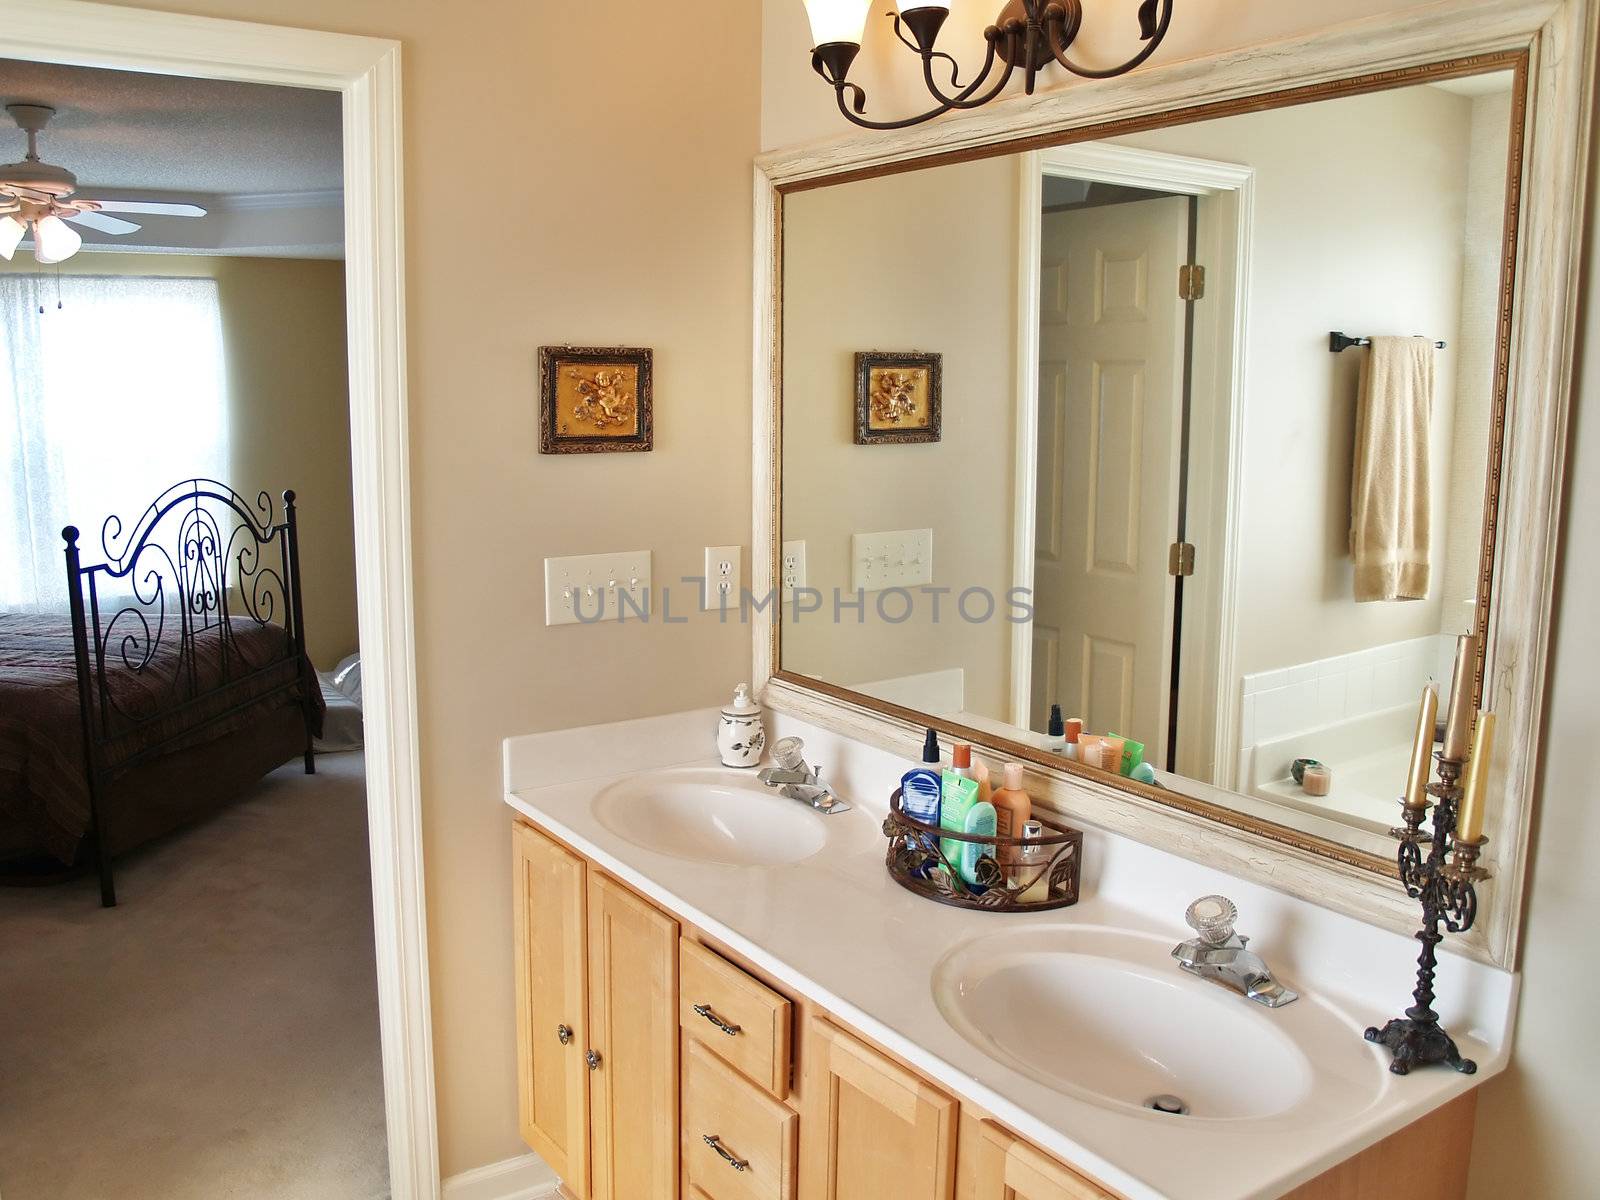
(11, 231)
(837, 20)
(54, 240)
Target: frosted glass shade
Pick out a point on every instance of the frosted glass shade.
(11, 231)
(837, 20)
(909, 5)
(54, 240)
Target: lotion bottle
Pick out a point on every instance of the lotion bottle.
(1013, 808)
(919, 787)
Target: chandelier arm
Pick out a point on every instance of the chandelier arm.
(1152, 30)
(963, 99)
(855, 105)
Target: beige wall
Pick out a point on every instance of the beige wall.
(617, 172)
(855, 278)
(1368, 240)
(288, 407)
(1535, 1134)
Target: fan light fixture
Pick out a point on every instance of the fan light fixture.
(39, 195)
(1029, 34)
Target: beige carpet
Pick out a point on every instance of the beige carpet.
(216, 1036)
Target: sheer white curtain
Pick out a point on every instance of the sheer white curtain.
(113, 392)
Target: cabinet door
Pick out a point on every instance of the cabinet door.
(1008, 1168)
(871, 1129)
(633, 1046)
(552, 1005)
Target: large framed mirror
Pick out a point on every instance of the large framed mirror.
(1189, 426)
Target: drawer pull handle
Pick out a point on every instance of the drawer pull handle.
(563, 1034)
(738, 1164)
(593, 1059)
(705, 1011)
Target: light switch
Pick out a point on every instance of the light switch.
(899, 558)
(590, 588)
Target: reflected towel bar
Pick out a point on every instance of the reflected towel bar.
(1338, 343)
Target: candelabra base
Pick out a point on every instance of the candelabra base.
(1417, 1043)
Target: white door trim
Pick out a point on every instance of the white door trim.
(1229, 276)
(366, 73)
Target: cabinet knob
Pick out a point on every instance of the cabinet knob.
(593, 1059)
(738, 1164)
(563, 1034)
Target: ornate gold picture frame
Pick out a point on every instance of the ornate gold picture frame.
(898, 397)
(594, 400)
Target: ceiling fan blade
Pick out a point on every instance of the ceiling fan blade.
(154, 208)
(105, 224)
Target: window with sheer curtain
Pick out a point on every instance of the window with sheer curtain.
(111, 390)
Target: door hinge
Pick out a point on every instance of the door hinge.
(1191, 282)
(1180, 559)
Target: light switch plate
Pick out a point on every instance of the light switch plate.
(608, 586)
(723, 574)
(899, 558)
(792, 568)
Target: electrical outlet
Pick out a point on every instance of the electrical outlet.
(589, 588)
(899, 558)
(792, 568)
(721, 589)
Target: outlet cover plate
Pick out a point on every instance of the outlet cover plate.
(723, 573)
(792, 568)
(608, 586)
(898, 558)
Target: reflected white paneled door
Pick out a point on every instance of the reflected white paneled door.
(1111, 346)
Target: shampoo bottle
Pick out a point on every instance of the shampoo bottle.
(957, 794)
(981, 821)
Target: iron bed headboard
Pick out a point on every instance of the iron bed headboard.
(199, 559)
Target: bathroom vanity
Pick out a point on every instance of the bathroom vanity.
(722, 995)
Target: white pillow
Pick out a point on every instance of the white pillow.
(347, 678)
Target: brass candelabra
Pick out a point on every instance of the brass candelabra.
(1444, 881)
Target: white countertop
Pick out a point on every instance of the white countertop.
(838, 930)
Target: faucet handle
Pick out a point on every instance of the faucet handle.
(1212, 917)
(789, 754)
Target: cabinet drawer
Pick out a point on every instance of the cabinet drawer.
(741, 1021)
(738, 1143)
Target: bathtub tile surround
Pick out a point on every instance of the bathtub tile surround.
(877, 964)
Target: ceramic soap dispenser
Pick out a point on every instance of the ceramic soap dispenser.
(740, 735)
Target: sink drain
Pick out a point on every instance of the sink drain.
(1172, 1105)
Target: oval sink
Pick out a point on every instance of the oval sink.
(711, 816)
(1110, 1017)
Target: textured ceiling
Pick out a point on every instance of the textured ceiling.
(123, 129)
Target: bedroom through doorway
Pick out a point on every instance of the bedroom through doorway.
(181, 731)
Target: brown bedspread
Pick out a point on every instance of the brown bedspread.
(227, 737)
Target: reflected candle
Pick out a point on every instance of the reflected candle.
(1422, 751)
(1469, 816)
(1458, 724)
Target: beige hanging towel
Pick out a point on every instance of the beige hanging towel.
(1389, 493)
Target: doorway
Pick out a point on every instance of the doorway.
(365, 73)
(1126, 457)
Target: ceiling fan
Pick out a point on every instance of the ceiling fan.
(39, 194)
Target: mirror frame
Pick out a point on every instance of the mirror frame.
(1551, 43)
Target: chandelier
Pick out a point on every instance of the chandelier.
(1028, 35)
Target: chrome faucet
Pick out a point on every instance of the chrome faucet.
(1219, 954)
(796, 781)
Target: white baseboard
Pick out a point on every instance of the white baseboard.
(525, 1177)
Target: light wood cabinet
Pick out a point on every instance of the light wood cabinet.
(736, 1017)
(597, 1026)
(552, 1005)
(1004, 1167)
(869, 1128)
(633, 1038)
